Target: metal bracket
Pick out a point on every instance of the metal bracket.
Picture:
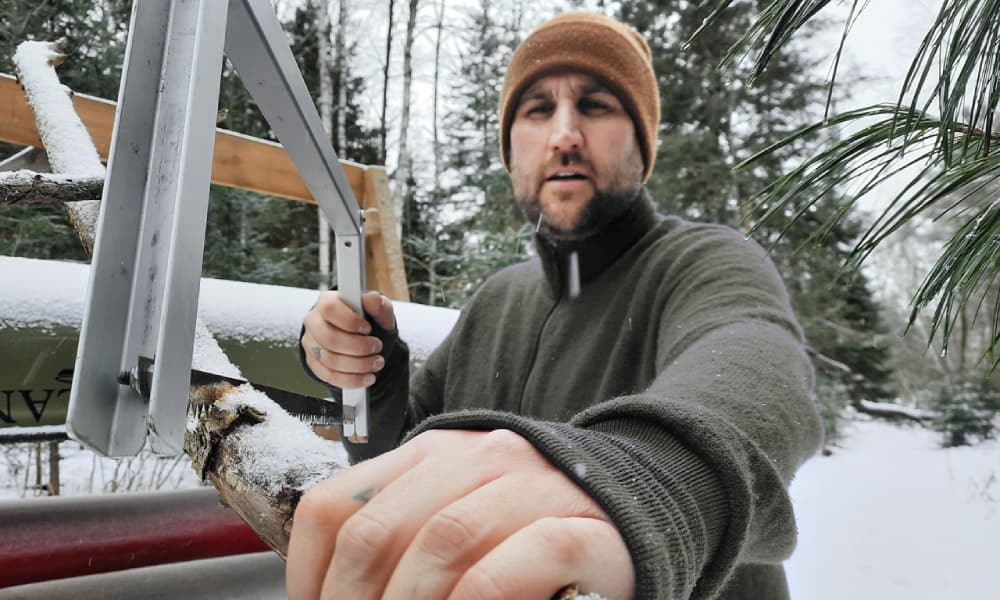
(146, 270)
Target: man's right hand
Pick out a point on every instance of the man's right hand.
(338, 344)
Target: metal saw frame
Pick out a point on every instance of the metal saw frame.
(142, 295)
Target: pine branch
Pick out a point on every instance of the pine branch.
(968, 269)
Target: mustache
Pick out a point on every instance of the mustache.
(572, 157)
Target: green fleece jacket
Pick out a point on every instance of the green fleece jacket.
(674, 388)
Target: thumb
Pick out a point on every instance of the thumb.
(379, 308)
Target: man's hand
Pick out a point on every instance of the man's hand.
(454, 514)
(337, 342)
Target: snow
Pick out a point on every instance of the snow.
(281, 447)
(24, 177)
(207, 355)
(65, 138)
(893, 515)
(899, 409)
(67, 142)
(52, 293)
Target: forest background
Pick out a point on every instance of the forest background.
(414, 85)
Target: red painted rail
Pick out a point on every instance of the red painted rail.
(53, 538)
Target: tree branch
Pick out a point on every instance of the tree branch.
(25, 187)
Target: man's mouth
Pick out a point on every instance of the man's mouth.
(566, 176)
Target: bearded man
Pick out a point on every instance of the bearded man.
(622, 413)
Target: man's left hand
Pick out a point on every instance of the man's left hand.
(455, 514)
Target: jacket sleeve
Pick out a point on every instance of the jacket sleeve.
(694, 469)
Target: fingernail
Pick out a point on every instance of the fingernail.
(365, 328)
(378, 364)
(376, 346)
(369, 379)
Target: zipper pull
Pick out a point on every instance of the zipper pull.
(573, 275)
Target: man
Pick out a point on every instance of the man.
(622, 414)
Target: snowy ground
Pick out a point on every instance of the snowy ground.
(888, 516)
(891, 515)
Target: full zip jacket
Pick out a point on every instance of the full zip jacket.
(674, 388)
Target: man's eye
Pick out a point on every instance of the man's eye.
(591, 105)
(538, 109)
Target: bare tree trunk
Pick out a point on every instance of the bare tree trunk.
(404, 168)
(438, 164)
(341, 68)
(259, 458)
(439, 26)
(385, 82)
(326, 114)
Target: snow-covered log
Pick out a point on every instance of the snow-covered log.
(260, 459)
(890, 410)
(66, 140)
(24, 187)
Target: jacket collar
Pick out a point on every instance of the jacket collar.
(597, 252)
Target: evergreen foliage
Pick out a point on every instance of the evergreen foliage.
(967, 413)
(95, 33)
(956, 69)
(457, 236)
(711, 121)
(253, 237)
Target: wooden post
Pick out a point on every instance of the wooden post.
(383, 250)
(38, 465)
(53, 468)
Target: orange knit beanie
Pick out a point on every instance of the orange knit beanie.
(609, 50)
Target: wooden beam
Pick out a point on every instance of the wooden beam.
(245, 162)
(240, 161)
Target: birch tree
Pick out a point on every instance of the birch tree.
(385, 82)
(404, 164)
(326, 115)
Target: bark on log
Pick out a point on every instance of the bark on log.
(25, 187)
(259, 458)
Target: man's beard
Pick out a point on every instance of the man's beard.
(602, 209)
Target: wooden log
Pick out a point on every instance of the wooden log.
(260, 458)
(25, 187)
(67, 142)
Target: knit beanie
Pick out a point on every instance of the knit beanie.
(611, 51)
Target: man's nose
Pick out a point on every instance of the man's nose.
(566, 134)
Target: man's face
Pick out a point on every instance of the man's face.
(574, 157)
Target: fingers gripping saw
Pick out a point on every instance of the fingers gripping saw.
(146, 269)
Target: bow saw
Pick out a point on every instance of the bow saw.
(133, 365)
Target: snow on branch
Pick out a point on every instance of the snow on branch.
(25, 187)
(66, 140)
